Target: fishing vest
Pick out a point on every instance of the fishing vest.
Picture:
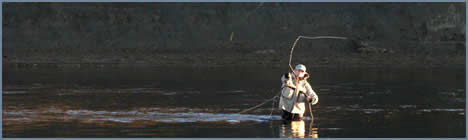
(290, 100)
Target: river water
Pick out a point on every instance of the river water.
(78, 100)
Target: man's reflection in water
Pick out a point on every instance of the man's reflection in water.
(296, 129)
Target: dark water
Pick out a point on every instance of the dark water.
(143, 101)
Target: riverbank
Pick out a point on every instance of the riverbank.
(216, 57)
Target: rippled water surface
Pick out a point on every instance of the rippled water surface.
(144, 101)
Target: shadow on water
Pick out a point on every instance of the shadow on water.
(144, 101)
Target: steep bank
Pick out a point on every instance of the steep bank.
(234, 33)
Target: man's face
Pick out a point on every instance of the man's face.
(300, 73)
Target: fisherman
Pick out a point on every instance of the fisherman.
(291, 103)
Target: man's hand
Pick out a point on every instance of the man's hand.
(309, 99)
(313, 100)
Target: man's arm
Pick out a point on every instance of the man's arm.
(312, 94)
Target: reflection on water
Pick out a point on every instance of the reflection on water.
(313, 133)
(203, 102)
(297, 129)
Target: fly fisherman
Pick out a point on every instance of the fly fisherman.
(291, 103)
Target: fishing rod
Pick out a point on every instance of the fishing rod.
(296, 79)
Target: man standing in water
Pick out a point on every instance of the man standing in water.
(291, 103)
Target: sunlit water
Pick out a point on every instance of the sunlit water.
(143, 101)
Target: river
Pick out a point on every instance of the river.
(111, 100)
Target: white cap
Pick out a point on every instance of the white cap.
(300, 67)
